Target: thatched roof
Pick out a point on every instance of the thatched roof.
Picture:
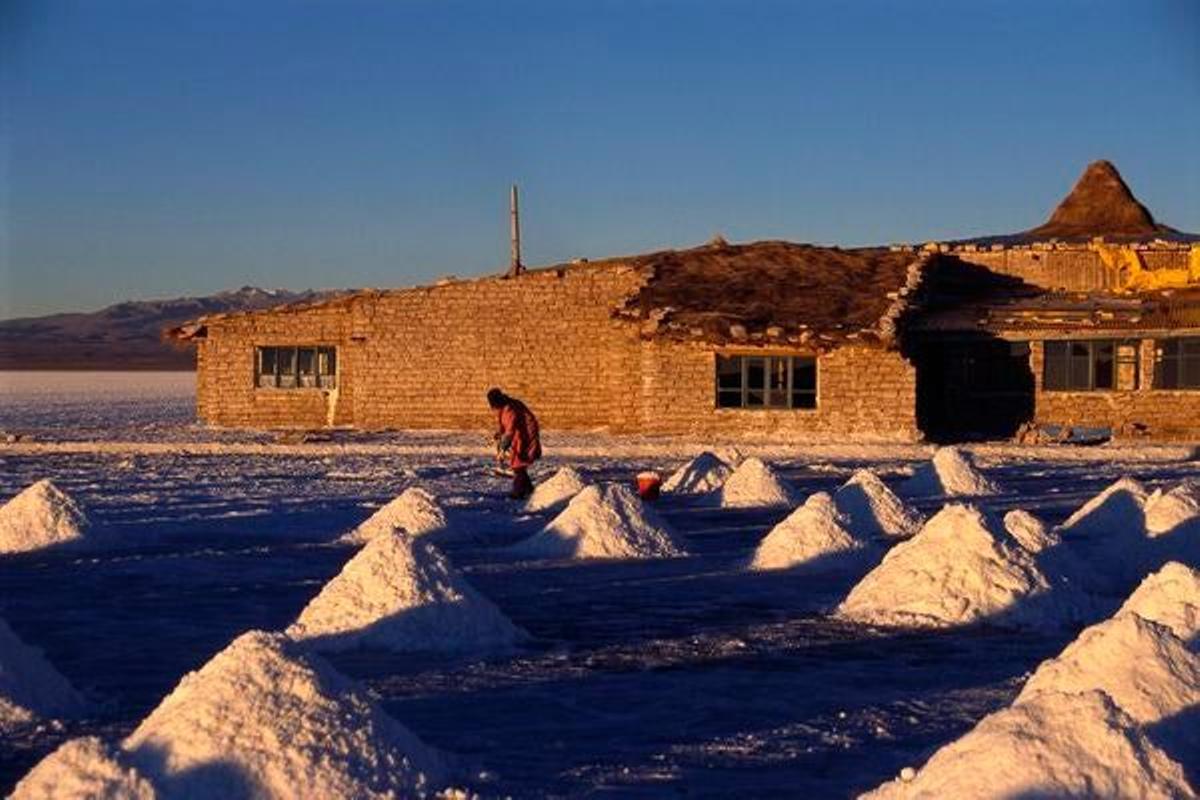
(773, 290)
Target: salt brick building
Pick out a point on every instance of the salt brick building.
(1089, 321)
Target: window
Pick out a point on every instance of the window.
(1079, 366)
(766, 382)
(1178, 364)
(295, 367)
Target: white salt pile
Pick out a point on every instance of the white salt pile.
(85, 769)
(30, 687)
(951, 472)
(40, 516)
(261, 720)
(813, 530)
(756, 485)
(398, 593)
(1166, 511)
(603, 522)
(1170, 597)
(705, 473)
(1141, 665)
(555, 490)
(1054, 745)
(415, 511)
(874, 510)
(1119, 508)
(961, 568)
(1029, 531)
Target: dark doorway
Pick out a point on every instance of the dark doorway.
(972, 388)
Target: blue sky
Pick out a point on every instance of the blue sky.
(165, 148)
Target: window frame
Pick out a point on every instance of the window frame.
(321, 373)
(1071, 360)
(770, 366)
(1178, 360)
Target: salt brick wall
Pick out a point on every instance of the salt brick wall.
(1167, 414)
(1076, 270)
(862, 393)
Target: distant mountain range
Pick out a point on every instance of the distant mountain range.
(127, 335)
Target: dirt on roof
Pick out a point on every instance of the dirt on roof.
(771, 290)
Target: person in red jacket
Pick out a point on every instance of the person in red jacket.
(517, 435)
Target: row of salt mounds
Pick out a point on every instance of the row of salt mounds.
(1054, 745)
(555, 490)
(415, 511)
(603, 522)
(1134, 671)
(1165, 511)
(814, 530)
(400, 594)
(261, 720)
(756, 485)
(30, 687)
(950, 473)
(874, 510)
(705, 473)
(85, 769)
(961, 568)
(40, 516)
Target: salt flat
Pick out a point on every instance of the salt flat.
(642, 678)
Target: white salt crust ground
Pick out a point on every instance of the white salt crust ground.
(40, 516)
(1166, 511)
(555, 490)
(607, 521)
(1054, 745)
(85, 769)
(874, 510)
(961, 568)
(30, 687)
(951, 473)
(263, 720)
(415, 511)
(755, 484)
(705, 473)
(814, 530)
(399, 593)
(1170, 597)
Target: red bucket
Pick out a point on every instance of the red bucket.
(648, 484)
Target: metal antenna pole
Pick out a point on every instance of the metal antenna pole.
(514, 267)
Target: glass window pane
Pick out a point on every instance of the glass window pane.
(306, 366)
(804, 374)
(266, 367)
(756, 381)
(1166, 374)
(804, 399)
(729, 372)
(1054, 369)
(729, 399)
(1189, 375)
(777, 382)
(1189, 347)
(1103, 372)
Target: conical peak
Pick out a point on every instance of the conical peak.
(1099, 204)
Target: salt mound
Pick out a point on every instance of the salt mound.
(1119, 508)
(559, 488)
(958, 570)
(755, 485)
(1167, 510)
(398, 593)
(874, 509)
(84, 769)
(813, 530)
(40, 516)
(415, 511)
(260, 720)
(30, 687)
(1054, 745)
(1170, 597)
(1029, 531)
(1141, 665)
(703, 474)
(603, 522)
(952, 473)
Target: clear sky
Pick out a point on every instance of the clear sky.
(169, 147)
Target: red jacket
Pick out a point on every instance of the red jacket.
(520, 427)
